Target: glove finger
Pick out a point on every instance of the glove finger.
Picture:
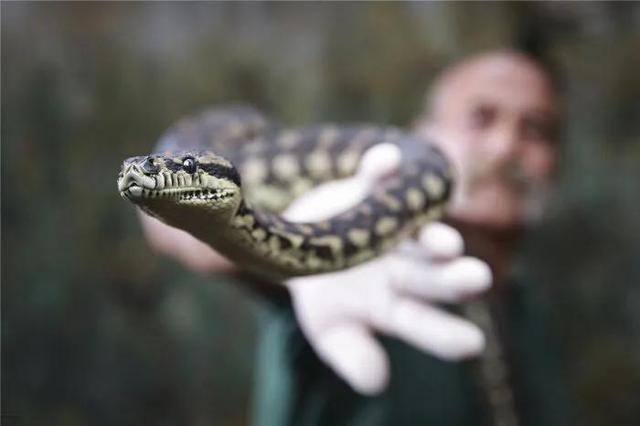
(441, 241)
(354, 354)
(433, 330)
(337, 196)
(436, 241)
(449, 281)
(379, 161)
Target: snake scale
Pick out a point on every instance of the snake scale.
(224, 176)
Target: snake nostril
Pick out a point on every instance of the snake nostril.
(134, 176)
(148, 166)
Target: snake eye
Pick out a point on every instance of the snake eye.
(189, 165)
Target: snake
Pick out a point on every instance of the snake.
(225, 175)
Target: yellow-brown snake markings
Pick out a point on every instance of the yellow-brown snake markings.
(225, 174)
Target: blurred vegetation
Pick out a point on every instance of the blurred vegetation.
(97, 330)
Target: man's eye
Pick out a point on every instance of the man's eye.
(538, 130)
(189, 165)
(482, 117)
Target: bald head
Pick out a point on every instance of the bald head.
(505, 67)
(496, 115)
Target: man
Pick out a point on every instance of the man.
(495, 115)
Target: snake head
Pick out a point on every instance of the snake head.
(180, 186)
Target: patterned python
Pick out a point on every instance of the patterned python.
(193, 182)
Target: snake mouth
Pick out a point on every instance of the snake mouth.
(138, 193)
(204, 195)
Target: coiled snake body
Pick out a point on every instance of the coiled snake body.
(224, 175)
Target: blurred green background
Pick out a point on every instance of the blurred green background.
(97, 330)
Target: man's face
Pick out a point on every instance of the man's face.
(496, 117)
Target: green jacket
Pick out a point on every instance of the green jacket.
(295, 388)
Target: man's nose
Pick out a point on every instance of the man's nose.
(503, 143)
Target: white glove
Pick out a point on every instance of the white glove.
(338, 312)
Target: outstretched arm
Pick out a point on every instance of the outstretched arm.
(176, 243)
(394, 294)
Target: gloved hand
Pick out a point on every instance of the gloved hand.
(339, 311)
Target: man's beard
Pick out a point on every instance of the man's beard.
(531, 195)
